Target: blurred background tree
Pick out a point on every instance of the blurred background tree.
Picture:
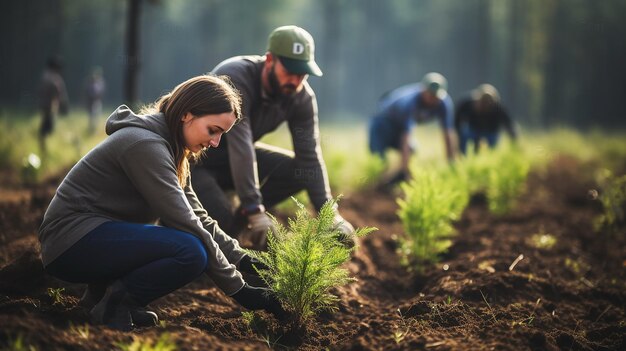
(554, 61)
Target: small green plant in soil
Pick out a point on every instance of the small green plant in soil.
(501, 174)
(477, 168)
(577, 265)
(18, 344)
(613, 199)
(507, 181)
(542, 240)
(433, 199)
(403, 328)
(305, 261)
(56, 295)
(163, 343)
(81, 331)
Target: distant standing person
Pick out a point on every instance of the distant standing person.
(53, 98)
(480, 117)
(94, 91)
(274, 90)
(100, 227)
(401, 109)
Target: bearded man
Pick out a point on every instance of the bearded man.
(274, 90)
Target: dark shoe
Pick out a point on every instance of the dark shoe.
(144, 318)
(93, 294)
(114, 309)
(140, 316)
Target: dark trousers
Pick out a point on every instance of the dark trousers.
(467, 134)
(279, 178)
(151, 261)
(382, 136)
(47, 121)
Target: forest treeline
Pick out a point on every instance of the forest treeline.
(554, 61)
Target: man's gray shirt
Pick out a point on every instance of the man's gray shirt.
(262, 115)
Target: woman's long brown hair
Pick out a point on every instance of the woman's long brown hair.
(201, 95)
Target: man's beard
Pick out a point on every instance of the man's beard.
(285, 91)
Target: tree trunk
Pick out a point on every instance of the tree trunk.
(132, 52)
(512, 81)
(483, 49)
(331, 55)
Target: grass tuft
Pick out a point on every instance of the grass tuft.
(163, 343)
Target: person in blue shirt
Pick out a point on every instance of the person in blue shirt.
(401, 109)
(480, 117)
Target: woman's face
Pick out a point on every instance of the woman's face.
(205, 131)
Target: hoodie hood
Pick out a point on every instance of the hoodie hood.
(123, 117)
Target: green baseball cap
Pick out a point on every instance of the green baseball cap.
(436, 84)
(295, 48)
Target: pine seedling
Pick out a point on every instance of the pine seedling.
(507, 181)
(477, 168)
(304, 261)
(432, 201)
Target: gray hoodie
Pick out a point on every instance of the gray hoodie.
(131, 177)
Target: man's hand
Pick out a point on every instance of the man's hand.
(260, 222)
(254, 298)
(258, 226)
(346, 231)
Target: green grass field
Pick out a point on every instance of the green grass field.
(344, 145)
(65, 146)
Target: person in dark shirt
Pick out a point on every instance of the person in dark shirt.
(53, 98)
(274, 89)
(480, 117)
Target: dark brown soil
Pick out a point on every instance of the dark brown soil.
(569, 297)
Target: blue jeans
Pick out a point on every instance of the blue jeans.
(383, 135)
(466, 134)
(151, 261)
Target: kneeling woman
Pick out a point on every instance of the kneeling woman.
(100, 226)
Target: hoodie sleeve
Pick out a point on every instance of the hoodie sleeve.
(243, 163)
(150, 167)
(241, 153)
(229, 246)
(305, 135)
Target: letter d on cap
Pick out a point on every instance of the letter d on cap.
(298, 48)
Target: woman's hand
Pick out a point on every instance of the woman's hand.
(254, 298)
(248, 264)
